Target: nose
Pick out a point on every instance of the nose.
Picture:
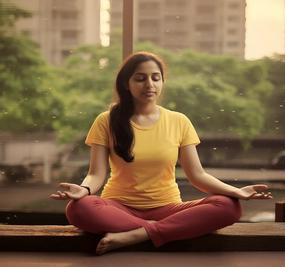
(149, 82)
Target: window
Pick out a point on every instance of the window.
(205, 45)
(205, 10)
(69, 15)
(148, 23)
(174, 19)
(147, 6)
(233, 44)
(177, 3)
(234, 5)
(233, 18)
(205, 27)
(69, 34)
(232, 31)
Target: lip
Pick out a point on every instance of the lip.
(149, 93)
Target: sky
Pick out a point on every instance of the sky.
(265, 28)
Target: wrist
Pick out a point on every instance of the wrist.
(87, 188)
(235, 192)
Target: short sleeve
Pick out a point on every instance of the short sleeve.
(99, 131)
(189, 134)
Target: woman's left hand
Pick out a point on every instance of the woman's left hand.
(257, 191)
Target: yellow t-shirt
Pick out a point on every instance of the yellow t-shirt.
(148, 181)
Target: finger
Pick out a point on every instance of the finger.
(62, 195)
(260, 187)
(56, 197)
(72, 196)
(262, 196)
(268, 195)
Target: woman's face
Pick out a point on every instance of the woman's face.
(146, 83)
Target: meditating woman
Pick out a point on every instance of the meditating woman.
(143, 141)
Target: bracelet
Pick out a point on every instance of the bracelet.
(88, 188)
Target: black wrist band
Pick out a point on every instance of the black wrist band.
(88, 188)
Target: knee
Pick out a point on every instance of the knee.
(231, 208)
(76, 210)
(73, 210)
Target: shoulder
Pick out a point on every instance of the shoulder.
(174, 115)
(103, 115)
(102, 118)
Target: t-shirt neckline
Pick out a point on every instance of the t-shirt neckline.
(140, 127)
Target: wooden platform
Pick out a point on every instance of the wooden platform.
(265, 236)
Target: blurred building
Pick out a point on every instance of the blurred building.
(58, 26)
(215, 27)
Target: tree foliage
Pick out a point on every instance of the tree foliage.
(87, 79)
(27, 101)
(275, 105)
(220, 94)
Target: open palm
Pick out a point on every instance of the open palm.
(257, 191)
(70, 191)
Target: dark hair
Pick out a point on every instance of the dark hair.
(123, 109)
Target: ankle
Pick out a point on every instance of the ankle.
(139, 234)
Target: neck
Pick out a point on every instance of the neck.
(146, 109)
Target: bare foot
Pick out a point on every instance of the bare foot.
(113, 241)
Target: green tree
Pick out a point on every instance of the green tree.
(27, 98)
(87, 79)
(275, 106)
(220, 94)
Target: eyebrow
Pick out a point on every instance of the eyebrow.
(142, 73)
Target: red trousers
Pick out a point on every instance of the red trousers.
(173, 222)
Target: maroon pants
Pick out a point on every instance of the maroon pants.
(173, 222)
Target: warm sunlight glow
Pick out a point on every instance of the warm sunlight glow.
(265, 28)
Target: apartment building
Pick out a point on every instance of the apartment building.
(59, 26)
(215, 27)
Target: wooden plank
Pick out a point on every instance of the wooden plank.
(265, 236)
(237, 229)
(39, 230)
(280, 211)
(254, 229)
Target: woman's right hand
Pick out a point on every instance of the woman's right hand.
(70, 191)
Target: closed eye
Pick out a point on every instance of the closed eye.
(140, 77)
(156, 77)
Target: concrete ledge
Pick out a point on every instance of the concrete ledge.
(267, 236)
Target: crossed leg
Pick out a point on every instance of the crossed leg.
(100, 216)
(125, 226)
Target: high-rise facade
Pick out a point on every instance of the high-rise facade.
(60, 26)
(216, 27)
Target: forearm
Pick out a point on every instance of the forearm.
(209, 184)
(93, 182)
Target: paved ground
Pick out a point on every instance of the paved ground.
(144, 259)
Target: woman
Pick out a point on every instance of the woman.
(143, 141)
